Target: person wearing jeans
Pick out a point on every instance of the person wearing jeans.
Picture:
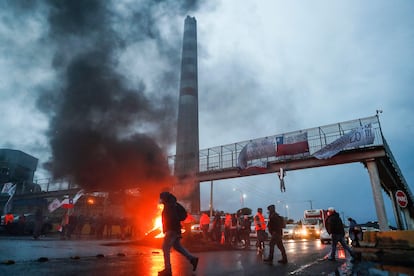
(171, 226)
(335, 227)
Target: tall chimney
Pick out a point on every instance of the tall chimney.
(187, 148)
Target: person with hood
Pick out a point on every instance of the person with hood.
(335, 228)
(171, 226)
(275, 226)
(245, 230)
(216, 232)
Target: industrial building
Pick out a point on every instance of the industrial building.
(18, 168)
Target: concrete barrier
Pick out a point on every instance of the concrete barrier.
(392, 247)
(400, 239)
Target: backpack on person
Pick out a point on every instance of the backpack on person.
(181, 212)
(281, 222)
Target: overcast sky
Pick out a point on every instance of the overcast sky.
(264, 68)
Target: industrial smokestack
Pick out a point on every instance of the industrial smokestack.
(187, 150)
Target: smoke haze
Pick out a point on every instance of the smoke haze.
(107, 132)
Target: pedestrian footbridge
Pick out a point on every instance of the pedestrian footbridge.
(359, 140)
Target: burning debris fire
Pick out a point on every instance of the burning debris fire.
(156, 232)
(157, 224)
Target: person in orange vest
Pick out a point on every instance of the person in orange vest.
(8, 221)
(260, 226)
(227, 226)
(205, 225)
(8, 218)
(186, 225)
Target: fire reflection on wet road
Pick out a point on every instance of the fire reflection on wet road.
(305, 258)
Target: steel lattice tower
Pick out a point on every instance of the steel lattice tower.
(187, 147)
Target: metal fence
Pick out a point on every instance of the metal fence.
(226, 156)
(48, 185)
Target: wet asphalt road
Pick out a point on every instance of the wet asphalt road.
(51, 256)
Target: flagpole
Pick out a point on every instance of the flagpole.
(5, 209)
(11, 192)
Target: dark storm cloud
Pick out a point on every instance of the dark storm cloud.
(104, 133)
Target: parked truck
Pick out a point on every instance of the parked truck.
(313, 223)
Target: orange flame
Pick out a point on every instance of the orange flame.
(341, 253)
(158, 222)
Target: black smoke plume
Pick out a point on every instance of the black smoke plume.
(105, 133)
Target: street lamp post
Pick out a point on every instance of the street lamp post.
(284, 206)
(287, 211)
(241, 196)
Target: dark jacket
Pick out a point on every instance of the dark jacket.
(334, 224)
(217, 222)
(275, 224)
(245, 225)
(170, 220)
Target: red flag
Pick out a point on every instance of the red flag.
(291, 145)
(67, 203)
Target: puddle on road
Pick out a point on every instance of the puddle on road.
(369, 268)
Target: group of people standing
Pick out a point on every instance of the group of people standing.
(21, 227)
(275, 225)
(234, 229)
(100, 226)
(172, 230)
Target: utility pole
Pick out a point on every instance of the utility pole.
(242, 195)
(211, 198)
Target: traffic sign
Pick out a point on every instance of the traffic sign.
(401, 198)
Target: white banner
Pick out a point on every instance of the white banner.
(261, 149)
(355, 138)
(7, 188)
(78, 195)
(12, 190)
(256, 150)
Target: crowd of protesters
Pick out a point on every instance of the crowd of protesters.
(70, 225)
(100, 226)
(227, 229)
(234, 229)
